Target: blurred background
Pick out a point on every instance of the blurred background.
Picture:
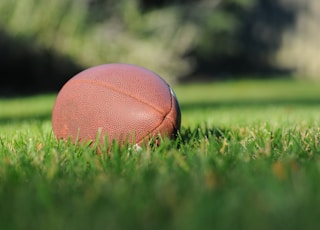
(44, 43)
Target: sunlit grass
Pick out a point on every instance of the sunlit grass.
(14, 108)
(247, 159)
(279, 103)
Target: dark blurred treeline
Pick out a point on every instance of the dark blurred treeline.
(231, 39)
(237, 37)
(27, 68)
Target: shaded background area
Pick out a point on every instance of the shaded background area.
(43, 44)
(247, 44)
(27, 68)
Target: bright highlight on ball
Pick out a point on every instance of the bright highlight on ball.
(121, 102)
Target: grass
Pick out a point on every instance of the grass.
(247, 158)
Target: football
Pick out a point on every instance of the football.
(121, 102)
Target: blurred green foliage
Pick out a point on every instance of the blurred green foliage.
(173, 38)
(154, 39)
(140, 32)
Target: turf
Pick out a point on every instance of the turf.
(247, 157)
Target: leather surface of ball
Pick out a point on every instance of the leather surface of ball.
(121, 102)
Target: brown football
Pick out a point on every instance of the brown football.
(121, 102)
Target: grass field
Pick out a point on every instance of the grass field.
(248, 157)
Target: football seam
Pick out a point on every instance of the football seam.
(102, 84)
(161, 122)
